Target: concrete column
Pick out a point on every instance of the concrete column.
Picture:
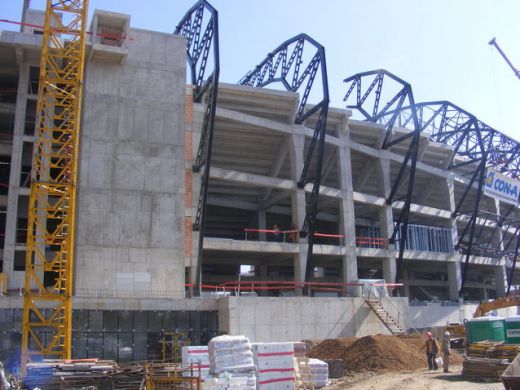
(483, 294)
(296, 145)
(261, 224)
(500, 280)
(386, 222)
(454, 268)
(348, 219)
(298, 209)
(498, 237)
(451, 197)
(300, 264)
(406, 287)
(454, 281)
(263, 275)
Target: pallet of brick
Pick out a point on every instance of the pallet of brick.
(195, 358)
(232, 355)
(274, 365)
(320, 372)
(484, 369)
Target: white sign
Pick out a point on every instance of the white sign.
(501, 187)
(513, 333)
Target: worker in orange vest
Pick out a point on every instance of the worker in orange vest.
(432, 348)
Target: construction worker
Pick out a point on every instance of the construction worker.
(432, 349)
(446, 351)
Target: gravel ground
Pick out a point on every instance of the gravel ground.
(422, 379)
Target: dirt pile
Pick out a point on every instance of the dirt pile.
(331, 348)
(376, 353)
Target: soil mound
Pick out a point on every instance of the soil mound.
(331, 348)
(383, 353)
(374, 353)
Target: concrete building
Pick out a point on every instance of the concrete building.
(137, 198)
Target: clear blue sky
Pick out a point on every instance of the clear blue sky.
(439, 46)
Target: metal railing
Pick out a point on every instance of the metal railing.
(378, 292)
(427, 239)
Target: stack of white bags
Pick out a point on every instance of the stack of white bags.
(231, 360)
(320, 372)
(274, 365)
(195, 357)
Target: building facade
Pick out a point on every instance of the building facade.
(136, 251)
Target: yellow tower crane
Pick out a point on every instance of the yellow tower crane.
(47, 313)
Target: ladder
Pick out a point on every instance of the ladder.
(304, 376)
(386, 318)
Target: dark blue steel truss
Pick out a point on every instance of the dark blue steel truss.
(367, 102)
(473, 142)
(295, 64)
(200, 28)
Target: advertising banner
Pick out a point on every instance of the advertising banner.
(501, 187)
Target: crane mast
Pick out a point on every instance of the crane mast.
(47, 312)
(494, 42)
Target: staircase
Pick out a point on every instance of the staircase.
(378, 308)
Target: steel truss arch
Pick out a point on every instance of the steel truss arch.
(370, 87)
(473, 142)
(200, 28)
(295, 64)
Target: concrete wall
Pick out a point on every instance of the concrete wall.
(131, 183)
(283, 319)
(435, 314)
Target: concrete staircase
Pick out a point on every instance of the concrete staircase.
(378, 308)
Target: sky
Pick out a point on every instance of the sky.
(439, 46)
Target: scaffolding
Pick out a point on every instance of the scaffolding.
(47, 313)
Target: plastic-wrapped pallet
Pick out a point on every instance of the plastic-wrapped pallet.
(232, 355)
(225, 383)
(320, 372)
(196, 357)
(274, 365)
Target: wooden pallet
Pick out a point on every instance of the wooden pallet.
(304, 376)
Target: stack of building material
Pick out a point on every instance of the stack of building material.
(482, 348)
(232, 355)
(195, 358)
(129, 377)
(52, 373)
(225, 382)
(320, 372)
(506, 351)
(274, 365)
(300, 349)
(484, 369)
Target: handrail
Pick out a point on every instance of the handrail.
(386, 302)
(375, 242)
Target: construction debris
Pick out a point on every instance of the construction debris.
(484, 369)
(53, 374)
(487, 360)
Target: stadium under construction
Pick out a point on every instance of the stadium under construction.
(252, 208)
